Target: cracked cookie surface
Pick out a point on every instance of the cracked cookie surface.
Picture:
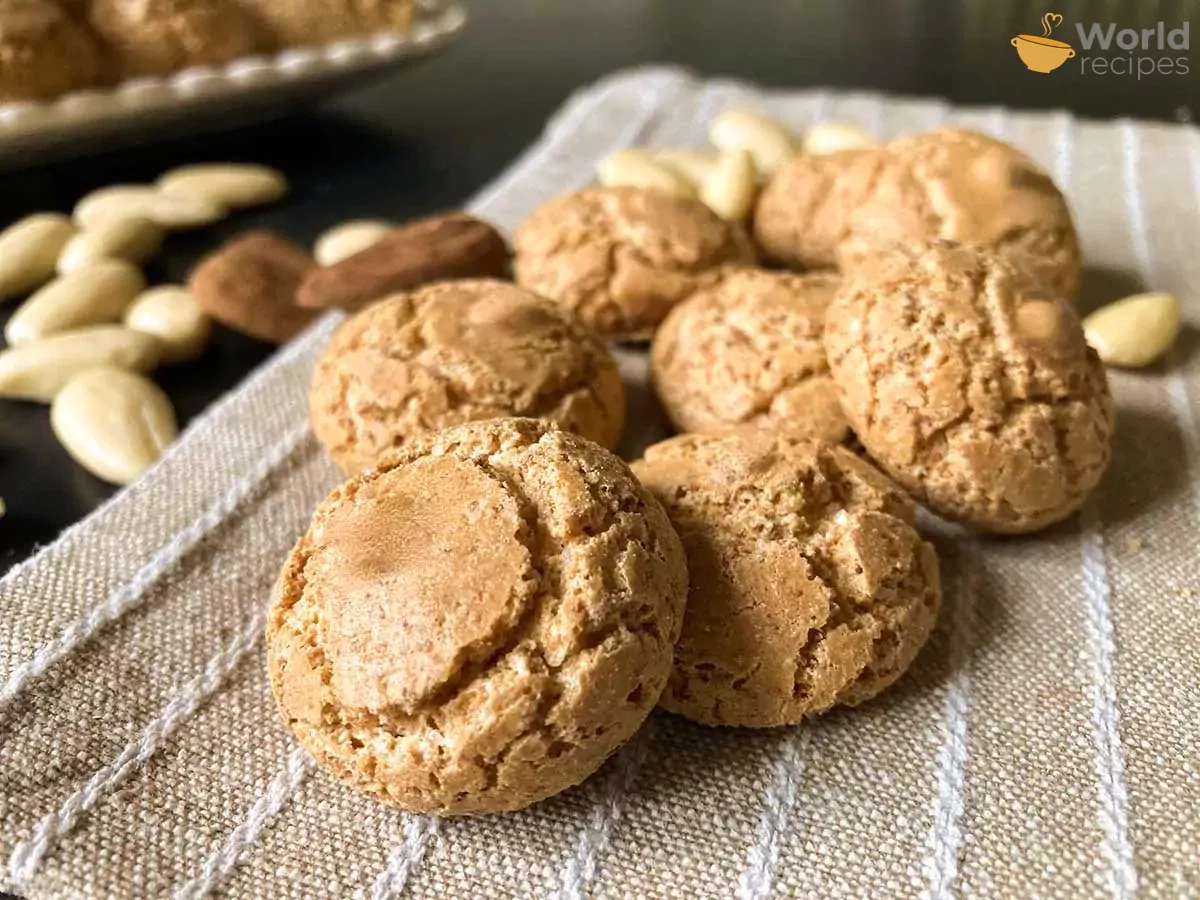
(809, 587)
(971, 388)
(747, 351)
(478, 622)
(948, 184)
(620, 257)
(455, 352)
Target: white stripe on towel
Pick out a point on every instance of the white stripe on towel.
(279, 792)
(131, 594)
(778, 800)
(945, 837)
(28, 854)
(419, 832)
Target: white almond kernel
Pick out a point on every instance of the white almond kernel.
(1136, 331)
(113, 423)
(171, 315)
(769, 142)
(122, 201)
(833, 137)
(99, 293)
(729, 191)
(694, 165)
(133, 239)
(637, 168)
(348, 239)
(29, 250)
(38, 371)
(230, 185)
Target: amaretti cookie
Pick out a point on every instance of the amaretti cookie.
(43, 51)
(809, 585)
(970, 387)
(455, 352)
(620, 257)
(154, 37)
(478, 622)
(948, 184)
(747, 351)
(289, 23)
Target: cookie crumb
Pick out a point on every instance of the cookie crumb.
(1134, 544)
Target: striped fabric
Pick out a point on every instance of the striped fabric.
(1047, 742)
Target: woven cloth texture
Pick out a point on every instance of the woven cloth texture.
(1046, 742)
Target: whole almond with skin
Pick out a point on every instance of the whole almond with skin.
(451, 245)
(113, 423)
(250, 285)
(39, 371)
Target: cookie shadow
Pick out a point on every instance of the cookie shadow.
(645, 421)
(1100, 286)
(1148, 466)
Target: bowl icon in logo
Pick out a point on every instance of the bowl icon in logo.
(1043, 54)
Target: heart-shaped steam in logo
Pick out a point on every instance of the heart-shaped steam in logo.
(1050, 21)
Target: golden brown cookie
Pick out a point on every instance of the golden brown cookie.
(250, 285)
(949, 184)
(155, 37)
(621, 257)
(809, 585)
(969, 387)
(748, 351)
(480, 621)
(292, 23)
(456, 352)
(43, 52)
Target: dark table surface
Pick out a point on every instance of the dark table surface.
(426, 138)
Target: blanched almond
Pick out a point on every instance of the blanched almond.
(769, 142)
(729, 191)
(38, 371)
(113, 423)
(122, 201)
(29, 250)
(229, 185)
(171, 315)
(99, 293)
(1136, 331)
(131, 238)
(694, 165)
(637, 168)
(345, 240)
(833, 137)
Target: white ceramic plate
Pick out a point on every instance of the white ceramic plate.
(207, 97)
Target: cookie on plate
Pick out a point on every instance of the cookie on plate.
(155, 37)
(809, 586)
(747, 351)
(43, 52)
(620, 257)
(456, 352)
(294, 23)
(949, 184)
(478, 622)
(970, 387)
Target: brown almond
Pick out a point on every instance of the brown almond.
(250, 285)
(450, 245)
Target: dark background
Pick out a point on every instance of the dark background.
(426, 138)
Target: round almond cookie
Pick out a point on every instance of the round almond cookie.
(43, 52)
(747, 351)
(809, 586)
(948, 184)
(969, 387)
(455, 352)
(620, 257)
(478, 622)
